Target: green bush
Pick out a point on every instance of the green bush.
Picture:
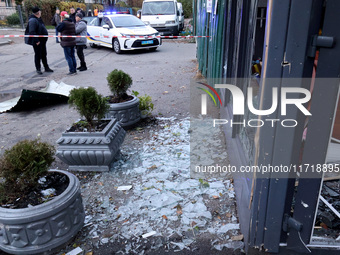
(23, 165)
(187, 8)
(89, 104)
(135, 3)
(47, 7)
(65, 6)
(145, 103)
(119, 82)
(13, 19)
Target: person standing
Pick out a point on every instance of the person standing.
(81, 29)
(56, 18)
(37, 27)
(67, 27)
(95, 12)
(73, 15)
(80, 10)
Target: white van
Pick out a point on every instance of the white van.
(162, 15)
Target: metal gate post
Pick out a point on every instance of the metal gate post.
(274, 47)
(324, 99)
(288, 140)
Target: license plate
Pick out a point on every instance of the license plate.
(147, 42)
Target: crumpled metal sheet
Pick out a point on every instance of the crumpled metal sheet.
(52, 94)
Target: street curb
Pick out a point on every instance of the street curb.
(5, 42)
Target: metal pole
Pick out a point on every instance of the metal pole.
(20, 16)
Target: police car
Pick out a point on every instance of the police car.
(121, 32)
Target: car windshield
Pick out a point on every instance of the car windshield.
(127, 21)
(158, 8)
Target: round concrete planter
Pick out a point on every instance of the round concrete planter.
(91, 151)
(42, 228)
(127, 112)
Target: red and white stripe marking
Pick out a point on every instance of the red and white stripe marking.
(131, 36)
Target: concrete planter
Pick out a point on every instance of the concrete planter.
(91, 151)
(44, 227)
(127, 112)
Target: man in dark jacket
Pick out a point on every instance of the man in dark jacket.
(36, 27)
(73, 14)
(67, 27)
(80, 10)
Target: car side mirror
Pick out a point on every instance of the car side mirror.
(139, 14)
(106, 27)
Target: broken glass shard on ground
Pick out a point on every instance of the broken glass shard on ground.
(163, 200)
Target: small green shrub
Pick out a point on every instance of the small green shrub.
(3, 23)
(119, 82)
(145, 103)
(89, 104)
(13, 19)
(23, 165)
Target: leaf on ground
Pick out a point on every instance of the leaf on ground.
(153, 167)
(237, 238)
(179, 209)
(228, 215)
(164, 217)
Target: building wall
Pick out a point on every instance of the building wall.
(7, 3)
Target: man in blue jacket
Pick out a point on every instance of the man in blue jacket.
(37, 27)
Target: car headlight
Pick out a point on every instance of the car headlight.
(126, 34)
(147, 23)
(170, 22)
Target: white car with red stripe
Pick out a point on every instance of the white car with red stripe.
(122, 32)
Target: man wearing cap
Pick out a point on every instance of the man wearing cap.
(67, 27)
(80, 10)
(81, 29)
(37, 27)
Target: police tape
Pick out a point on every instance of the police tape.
(105, 36)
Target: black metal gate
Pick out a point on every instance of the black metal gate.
(283, 209)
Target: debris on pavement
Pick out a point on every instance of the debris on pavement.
(76, 251)
(127, 187)
(164, 198)
(53, 93)
(149, 234)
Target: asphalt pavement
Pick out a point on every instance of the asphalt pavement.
(165, 75)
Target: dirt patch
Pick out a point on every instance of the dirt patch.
(53, 184)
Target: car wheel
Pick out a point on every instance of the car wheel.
(92, 45)
(153, 49)
(116, 46)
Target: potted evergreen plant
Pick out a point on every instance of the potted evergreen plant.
(91, 143)
(123, 107)
(40, 210)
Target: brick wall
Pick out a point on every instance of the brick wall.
(6, 11)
